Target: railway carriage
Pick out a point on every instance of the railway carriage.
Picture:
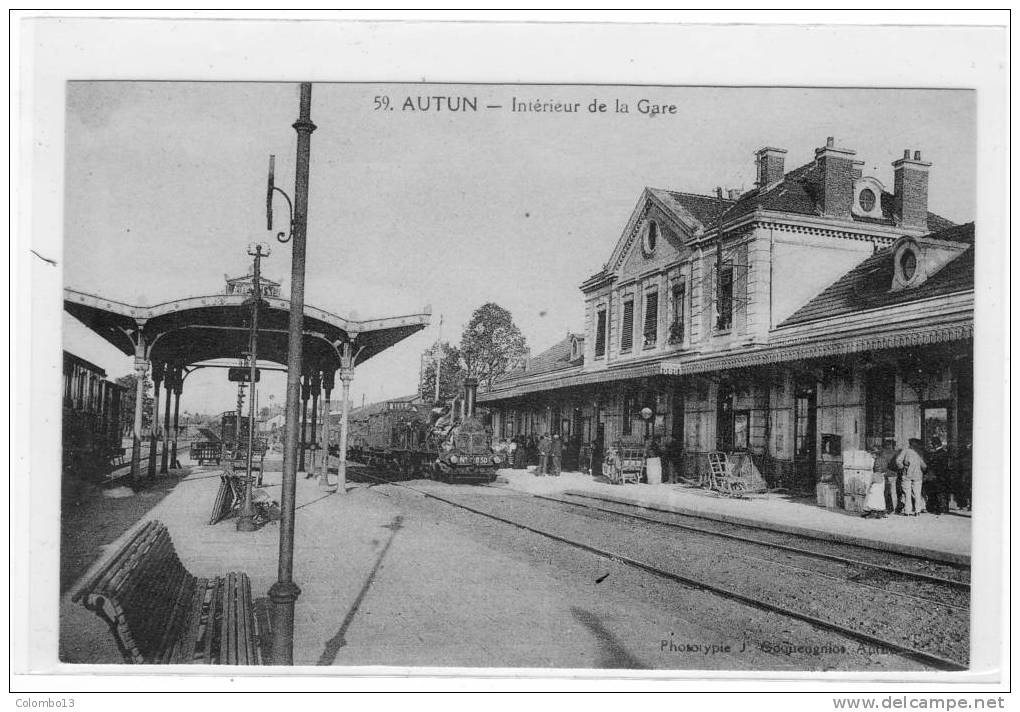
(92, 407)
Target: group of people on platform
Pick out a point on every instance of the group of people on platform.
(913, 480)
(552, 454)
(906, 481)
(549, 453)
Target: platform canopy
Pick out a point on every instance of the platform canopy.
(195, 329)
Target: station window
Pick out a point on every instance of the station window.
(600, 334)
(628, 414)
(651, 332)
(627, 327)
(879, 405)
(724, 299)
(676, 329)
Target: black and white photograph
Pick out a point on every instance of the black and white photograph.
(369, 372)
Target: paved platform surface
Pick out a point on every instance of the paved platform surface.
(943, 538)
(390, 578)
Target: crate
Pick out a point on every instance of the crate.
(827, 495)
(857, 480)
(853, 502)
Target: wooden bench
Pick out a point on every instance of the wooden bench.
(159, 613)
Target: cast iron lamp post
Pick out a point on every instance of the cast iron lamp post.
(284, 593)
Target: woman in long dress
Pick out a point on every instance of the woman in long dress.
(874, 501)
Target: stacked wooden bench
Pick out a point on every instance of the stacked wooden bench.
(207, 451)
(159, 613)
(238, 462)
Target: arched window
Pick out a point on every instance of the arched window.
(651, 237)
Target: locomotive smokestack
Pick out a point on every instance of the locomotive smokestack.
(470, 392)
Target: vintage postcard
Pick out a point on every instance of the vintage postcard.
(367, 373)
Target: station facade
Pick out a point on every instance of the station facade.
(818, 312)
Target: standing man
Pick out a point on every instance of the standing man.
(597, 448)
(543, 455)
(937, 478)
(556, 453)
(885, 463)
(653, 461)
(914, 467)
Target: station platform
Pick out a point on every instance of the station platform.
(384, 588)
(944, 538)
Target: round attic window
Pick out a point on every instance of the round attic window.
(867, 200)
(908, 265)
(651, 238)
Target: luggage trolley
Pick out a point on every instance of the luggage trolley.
(624, 463)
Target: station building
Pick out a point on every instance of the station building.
(818, 312)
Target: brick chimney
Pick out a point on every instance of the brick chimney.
(770, 165)
(910, 191)
(836, 182)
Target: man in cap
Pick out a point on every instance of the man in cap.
(885, 463)
(913, 465)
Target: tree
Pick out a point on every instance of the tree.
(491, 343)
(451, 373)
(127, 414)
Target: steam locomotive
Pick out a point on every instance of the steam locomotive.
(444, 443)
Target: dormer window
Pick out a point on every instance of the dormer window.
(651, 238)
(867, 199)
(576, 348)
(916, 259)
(908, 265)
(867, 202)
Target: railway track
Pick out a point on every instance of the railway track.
(697, 580)
(810, 546)
(913, 565)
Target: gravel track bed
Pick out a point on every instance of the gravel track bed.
(932, 628)
(891, 581)
(759, 640)
(907, 564)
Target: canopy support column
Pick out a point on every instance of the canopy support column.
(314, 387)
(157, 379)
(141, 369)
(348, 357)
(178, 387)
(327, 387)
(305, 394)
(169, 382)
(346, 376)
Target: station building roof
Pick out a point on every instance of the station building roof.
(867, 286)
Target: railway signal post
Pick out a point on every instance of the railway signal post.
(246, 521)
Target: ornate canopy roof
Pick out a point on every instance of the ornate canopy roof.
(194, 329)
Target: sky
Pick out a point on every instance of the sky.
(165, 189)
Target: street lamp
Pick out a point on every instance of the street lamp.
(284, 593)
